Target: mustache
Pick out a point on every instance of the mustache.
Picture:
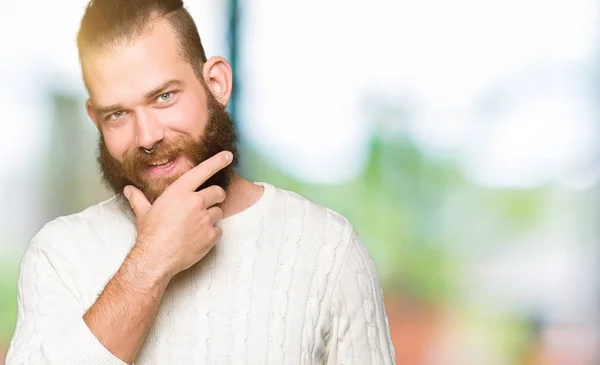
(138, 158)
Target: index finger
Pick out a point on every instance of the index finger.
(199, 174)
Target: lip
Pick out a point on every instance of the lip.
(164, 170)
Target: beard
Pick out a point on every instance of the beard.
(219, 135)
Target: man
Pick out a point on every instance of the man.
(189, 263)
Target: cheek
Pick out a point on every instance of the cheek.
(118, 142)
(186, 116)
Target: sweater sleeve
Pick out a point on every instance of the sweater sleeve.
(360, 331)
(50, 327)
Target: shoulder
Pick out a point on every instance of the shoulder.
(320, 231)
(70, 233)
(314, 216)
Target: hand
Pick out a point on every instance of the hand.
(179, 229)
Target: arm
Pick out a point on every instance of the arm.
(360, 330)
(172, 235)
(50, 329)
(123, 313)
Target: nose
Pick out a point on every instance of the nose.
(149, 130)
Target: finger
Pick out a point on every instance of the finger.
(218, 231)
(199, 174)
(212, 195)
(215, 214)
(137, 200)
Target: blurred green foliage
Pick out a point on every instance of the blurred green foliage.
(9, 266)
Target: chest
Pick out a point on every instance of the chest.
(245, 307)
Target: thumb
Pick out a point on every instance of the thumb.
(138, 201)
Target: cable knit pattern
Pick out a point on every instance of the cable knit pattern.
(289, 282)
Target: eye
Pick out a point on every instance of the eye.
(116, 115)
(165, 97)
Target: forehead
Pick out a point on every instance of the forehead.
(130, 69)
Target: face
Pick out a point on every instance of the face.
(143, 95)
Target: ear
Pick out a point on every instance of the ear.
(92, 112)
(219, 78)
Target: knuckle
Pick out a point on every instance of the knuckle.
(205, 220)
(201, 200)
(212, 235)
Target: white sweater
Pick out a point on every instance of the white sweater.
(289, 282)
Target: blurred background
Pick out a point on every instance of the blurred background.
(460, 137)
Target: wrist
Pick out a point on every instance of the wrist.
(149, 274)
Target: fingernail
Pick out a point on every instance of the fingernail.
(127, 192)
(229, 156)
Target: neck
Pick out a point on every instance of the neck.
(241, 194)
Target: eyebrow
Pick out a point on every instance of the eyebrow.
(149, 95)
(160, 89)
